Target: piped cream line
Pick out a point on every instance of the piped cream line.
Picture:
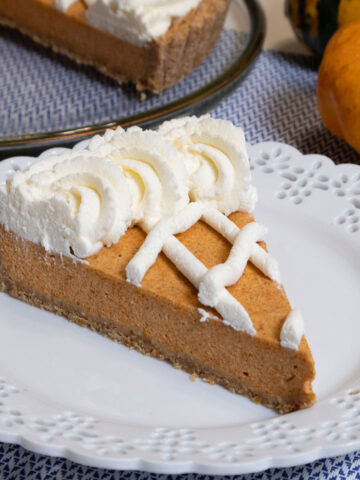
(229, 272)
(265, 262)
(292, 330)
(146, 256)
(63, 5)
(161, 237)
(205, 315)
(233, 313)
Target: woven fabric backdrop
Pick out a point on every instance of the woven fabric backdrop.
(277, 101)
(19, 464)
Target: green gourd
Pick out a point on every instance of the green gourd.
(315, 21)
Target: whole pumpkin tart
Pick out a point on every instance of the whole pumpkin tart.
(338, 87)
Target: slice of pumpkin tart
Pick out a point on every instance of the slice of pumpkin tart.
(149, 239)
(151, 44)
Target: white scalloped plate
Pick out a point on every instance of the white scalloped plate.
(69, 392)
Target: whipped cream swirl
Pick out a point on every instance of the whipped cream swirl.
(217, 162)
(73, 204)
(154, 171)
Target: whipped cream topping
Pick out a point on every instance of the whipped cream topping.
(229, 272)
(154, 171)
(136, 21)
(121, 179)
(155, 174)
(265, 262)
(73, 204)
(206, 316)
(292, 330)
(147, 254)
(217, 162)
(63, 5)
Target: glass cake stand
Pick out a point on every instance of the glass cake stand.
(48, 100)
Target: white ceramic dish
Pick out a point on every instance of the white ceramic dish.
(69, 392)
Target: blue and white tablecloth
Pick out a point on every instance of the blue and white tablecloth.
(19, 464)
(277, 101)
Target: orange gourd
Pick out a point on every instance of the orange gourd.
(338, 87)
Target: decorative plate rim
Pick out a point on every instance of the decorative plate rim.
(205, 96)
(331, 427)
